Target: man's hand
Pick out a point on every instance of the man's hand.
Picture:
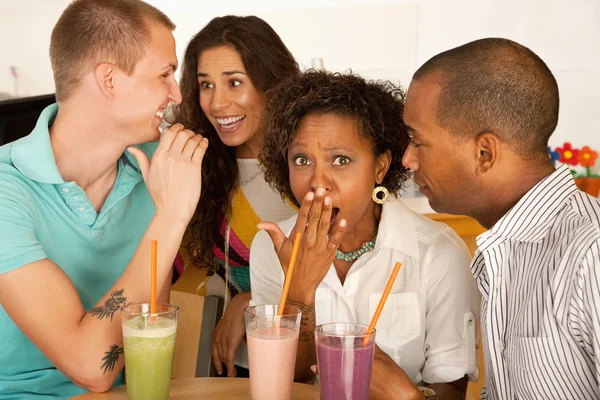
(174, 176)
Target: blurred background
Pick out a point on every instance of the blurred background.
(378, 39)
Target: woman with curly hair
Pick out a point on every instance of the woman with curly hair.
(334, 143)
(227, 69)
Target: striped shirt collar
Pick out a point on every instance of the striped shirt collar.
(531, 218)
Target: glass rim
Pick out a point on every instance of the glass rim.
(172, 309)
(249, 310)
(319, 330)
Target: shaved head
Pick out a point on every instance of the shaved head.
(499, 86)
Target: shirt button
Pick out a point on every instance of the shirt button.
(81, 208)
(500, 346)
(66, 190)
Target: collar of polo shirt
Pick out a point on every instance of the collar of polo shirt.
(33, 155)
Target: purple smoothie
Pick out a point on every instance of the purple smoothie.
(344, 373)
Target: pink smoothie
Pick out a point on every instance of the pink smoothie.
(272, 359)
(344, 374)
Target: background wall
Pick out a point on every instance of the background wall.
(380, 39)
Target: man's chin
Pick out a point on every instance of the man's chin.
(149, 137)
(434, 204)
(154, 136)
(440, 208)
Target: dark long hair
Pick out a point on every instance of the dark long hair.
(267, 62)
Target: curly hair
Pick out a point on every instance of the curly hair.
(378, 106)
(267, 62)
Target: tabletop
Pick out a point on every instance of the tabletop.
(192, 388)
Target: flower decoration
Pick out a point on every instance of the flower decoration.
(580, 161)
(568, 155)
(554, 155)
(587, 157)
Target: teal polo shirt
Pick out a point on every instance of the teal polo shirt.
(43, 216)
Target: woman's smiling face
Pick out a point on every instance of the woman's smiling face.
(230, 100)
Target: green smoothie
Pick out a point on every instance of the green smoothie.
(148, 357)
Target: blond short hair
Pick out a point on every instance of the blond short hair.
(93, 31)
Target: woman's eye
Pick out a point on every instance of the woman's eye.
(235, 83)
(205, 85)
(341, 160)
(301, 161)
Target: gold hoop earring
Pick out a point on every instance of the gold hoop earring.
(376, 195)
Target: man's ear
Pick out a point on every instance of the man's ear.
(105, 75)
(383, 165)
(488, 147)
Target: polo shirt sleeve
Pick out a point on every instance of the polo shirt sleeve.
(266, 275)
(452, 311)
(19, 245)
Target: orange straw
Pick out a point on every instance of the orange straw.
(288, 277)
(153, 282)
(384, 297)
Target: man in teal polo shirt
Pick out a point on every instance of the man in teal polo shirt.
(78, 210)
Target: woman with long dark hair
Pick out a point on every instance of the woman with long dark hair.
(228, 67)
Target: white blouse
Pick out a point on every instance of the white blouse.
(428, 323)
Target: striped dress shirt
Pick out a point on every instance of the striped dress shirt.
(538, 270)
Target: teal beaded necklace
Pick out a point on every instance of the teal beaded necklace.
(353, 255)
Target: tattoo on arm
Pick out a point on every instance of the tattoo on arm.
(114, 303)
(111, 357)
(307, 322)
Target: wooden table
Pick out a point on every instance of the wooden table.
(210, 388)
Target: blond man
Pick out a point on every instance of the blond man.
(79, 204)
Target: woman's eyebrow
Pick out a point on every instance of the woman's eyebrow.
(339, 148)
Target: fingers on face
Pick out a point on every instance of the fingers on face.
(302, 220)
(325, 219)
(336, 237)
(314, 216)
